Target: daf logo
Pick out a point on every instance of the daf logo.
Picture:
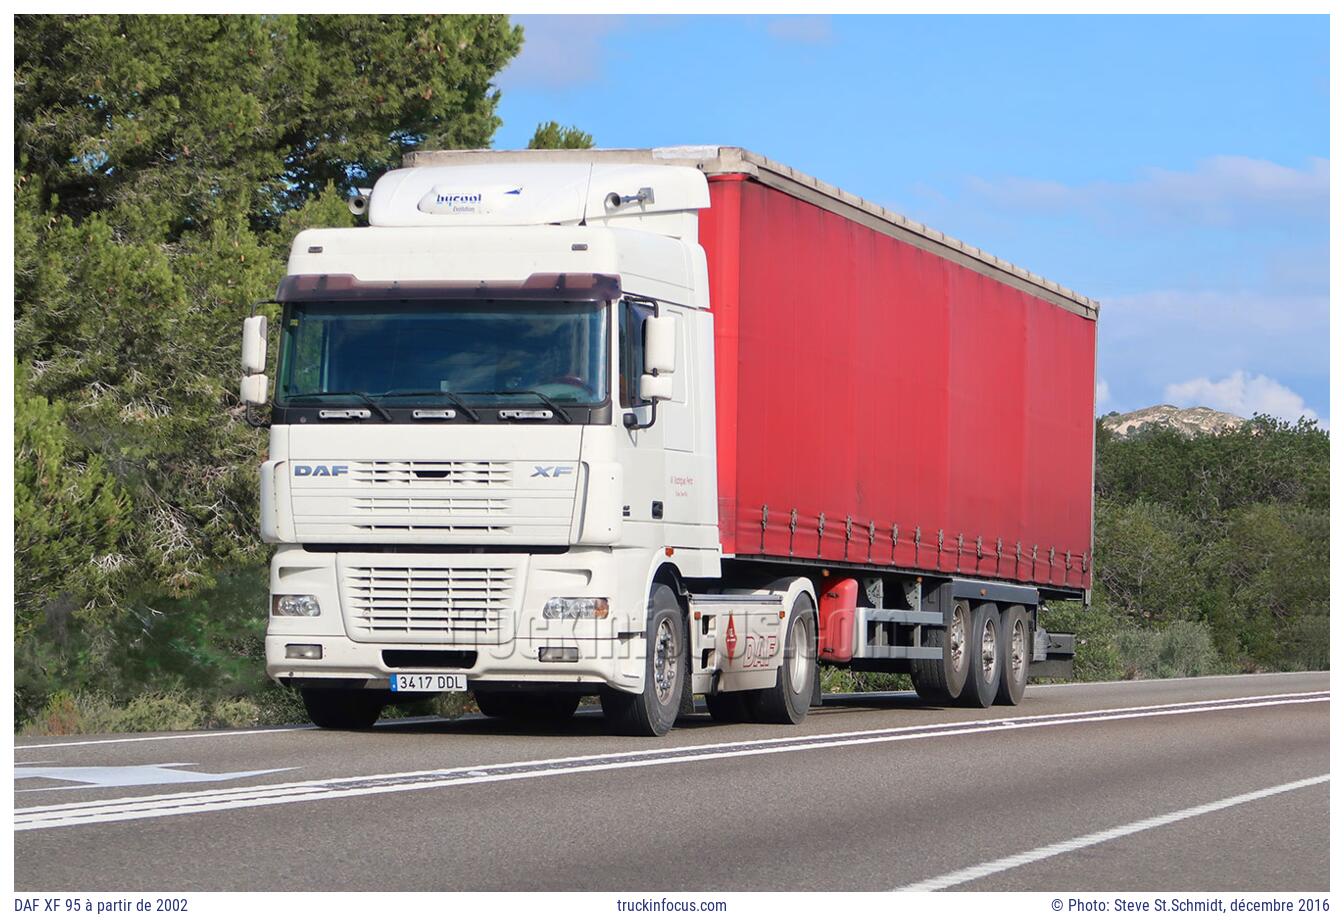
(551, 472)
(321, 470)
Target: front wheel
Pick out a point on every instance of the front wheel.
(787, 702)
(343, 709)
(666, 673)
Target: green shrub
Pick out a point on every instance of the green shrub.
(1182, 649)
(1095, 654)
(154, 712)
(1307, 644)
(241, 713)
(843, 680)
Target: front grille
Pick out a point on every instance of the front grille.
(469, 604)
(475, 529)
(423, 504)
(473, 473)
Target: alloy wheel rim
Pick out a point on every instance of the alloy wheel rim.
(1019, 648)
(664, 661)
(989, 651)
(957, 639)
(798, 666)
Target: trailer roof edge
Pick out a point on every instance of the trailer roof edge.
(718, 160)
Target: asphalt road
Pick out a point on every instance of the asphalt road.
(1188, 785)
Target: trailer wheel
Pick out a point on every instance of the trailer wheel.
(985, 655)
(1017, 641)
(666, 667)
(527, 707)
(728, 707)
(350, 710)
(787, 702)
(941, 682)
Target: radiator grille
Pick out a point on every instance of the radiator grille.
(426, 602)
(474, 473)
(478, 507)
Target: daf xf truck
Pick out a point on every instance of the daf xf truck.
(652, 424)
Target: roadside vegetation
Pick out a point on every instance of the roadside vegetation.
(163, 163)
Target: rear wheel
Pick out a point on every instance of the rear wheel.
(527, 707)
(985, 656)
(1017, 640)
(666, 665)
(787, 702)
(941, 681)
(343, 709)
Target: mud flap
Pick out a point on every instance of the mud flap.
(1057, 662)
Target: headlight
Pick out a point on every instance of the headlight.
(295, 605)
(573, 608)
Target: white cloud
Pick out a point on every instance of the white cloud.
(1241, 394)
(1232, 190)
(1223, 191)
(1103, 393)
(559, 52)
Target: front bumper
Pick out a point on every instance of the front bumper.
(359, 646)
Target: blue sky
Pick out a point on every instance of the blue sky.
(1173, 167)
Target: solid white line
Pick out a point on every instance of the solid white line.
(97, 812)
(1076, 684)
(196, 735)
(973, 873)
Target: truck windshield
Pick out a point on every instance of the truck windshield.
(476, 352)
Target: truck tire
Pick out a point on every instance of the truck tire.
(527, 708)
(985, 655)
(1016, 638)
(728, 708)
(350, 710)
(653, 711)
(939, 682)
(787, 702)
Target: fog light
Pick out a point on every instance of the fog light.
(295, 605)
(559, 653)
(574, 608)
(311, 652)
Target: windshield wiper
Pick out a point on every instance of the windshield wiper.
(451, 397)
(549, 403)
(363, 397)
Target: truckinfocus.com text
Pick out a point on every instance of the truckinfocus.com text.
(658, 905)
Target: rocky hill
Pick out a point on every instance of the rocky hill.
(1199, 420)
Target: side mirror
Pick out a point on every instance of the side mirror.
(655, 388)
(254, 345)
(253, 390)
(660, 344)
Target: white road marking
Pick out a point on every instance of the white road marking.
(195, 736)
(204, 735)
(971, 874)
(154, 806)
(152, 774)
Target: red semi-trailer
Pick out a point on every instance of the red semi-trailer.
(883, 404)
(662, 423)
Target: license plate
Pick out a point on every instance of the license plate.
(428, 683)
